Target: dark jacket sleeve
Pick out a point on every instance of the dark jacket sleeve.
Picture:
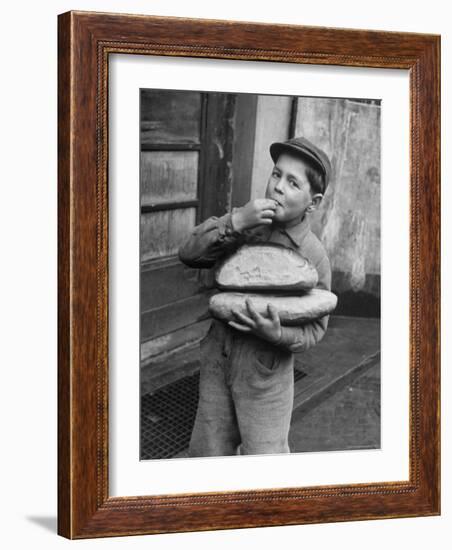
(303, 337)
(209, 241)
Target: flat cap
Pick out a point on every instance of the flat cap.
(300, 146)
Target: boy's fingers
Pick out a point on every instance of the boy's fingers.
(252, 311)
(273, 313)
(265, 204)
(270, 203)
(238, 326)
(243, 318)
(268, 213)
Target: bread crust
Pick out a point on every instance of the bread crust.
(270, 267)
(293, 310)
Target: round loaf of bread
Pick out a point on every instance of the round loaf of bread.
(292, 310)
(266, 267)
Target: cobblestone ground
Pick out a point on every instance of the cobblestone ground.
(349, 419)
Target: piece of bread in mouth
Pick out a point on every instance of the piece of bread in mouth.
(293, 310)
(268, 267)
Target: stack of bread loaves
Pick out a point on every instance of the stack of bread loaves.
(270, 274)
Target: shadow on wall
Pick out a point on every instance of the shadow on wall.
(362, 301)
(358, 304)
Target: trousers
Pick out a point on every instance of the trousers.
(246, 394)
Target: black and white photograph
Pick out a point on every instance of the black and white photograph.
(259, 274)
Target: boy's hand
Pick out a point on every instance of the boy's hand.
(268, 328)
(254, 212)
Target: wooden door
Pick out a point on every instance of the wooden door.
(186, 150)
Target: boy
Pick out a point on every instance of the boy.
(246, 379)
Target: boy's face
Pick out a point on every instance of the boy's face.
(288, 185)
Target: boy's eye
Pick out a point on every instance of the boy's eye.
(295, 184)
(275, 174)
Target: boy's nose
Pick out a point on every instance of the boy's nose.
(279, 186)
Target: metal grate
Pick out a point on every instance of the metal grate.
(167, 418)
(168, 415)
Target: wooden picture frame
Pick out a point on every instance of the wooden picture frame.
(85, 42)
